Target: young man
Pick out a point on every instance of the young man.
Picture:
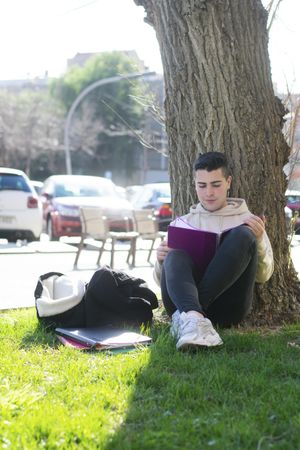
(223, 295)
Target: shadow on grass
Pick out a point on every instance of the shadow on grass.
(39, 336)
(236, 397)
(242, 396)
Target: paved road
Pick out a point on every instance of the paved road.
(21, 266)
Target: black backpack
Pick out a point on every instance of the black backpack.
(110, 298)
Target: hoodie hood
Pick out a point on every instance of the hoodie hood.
(234, 206)
(232, 215)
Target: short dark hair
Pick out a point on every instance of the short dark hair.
(212, 161)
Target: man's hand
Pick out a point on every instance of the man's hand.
(162, 251)
(256, 225)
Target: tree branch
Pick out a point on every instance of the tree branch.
(271, 20)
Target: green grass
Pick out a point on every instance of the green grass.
(245, 395)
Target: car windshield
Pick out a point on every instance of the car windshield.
(76, 188)
(162, 192)
(152, 194)
(11, 182)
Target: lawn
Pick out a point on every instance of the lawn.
(246, 395)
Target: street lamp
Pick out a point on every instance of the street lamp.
(78, 100)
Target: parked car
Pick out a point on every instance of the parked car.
(121, 191)
(293, 203)
(62, 195)
(288, 217)
(20, 207)
(38, 185)
(132, 191)
(158, 197)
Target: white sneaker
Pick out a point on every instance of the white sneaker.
(175, 324)
(196, 332)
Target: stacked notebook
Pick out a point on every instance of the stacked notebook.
(101, 338)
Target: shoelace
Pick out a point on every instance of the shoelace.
(206, 326)
(176, 321)
(189, 325)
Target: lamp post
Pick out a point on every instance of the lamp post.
(78, 100)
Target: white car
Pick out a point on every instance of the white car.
(21, 215)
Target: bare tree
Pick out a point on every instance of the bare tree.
(30, 123)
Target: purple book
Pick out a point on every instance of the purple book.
(200, 245)
(68, 342)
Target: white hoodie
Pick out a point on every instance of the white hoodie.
(233, 214)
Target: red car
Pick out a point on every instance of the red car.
(293, 203)
(62, 195)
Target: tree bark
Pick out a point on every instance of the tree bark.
(219, 96)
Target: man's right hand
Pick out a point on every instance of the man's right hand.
(162, 251)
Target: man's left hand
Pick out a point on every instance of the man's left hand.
(256, 225)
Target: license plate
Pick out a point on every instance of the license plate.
(6, 219)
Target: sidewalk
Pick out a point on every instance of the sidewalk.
(21, 265)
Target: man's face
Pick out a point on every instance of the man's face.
(212, 188)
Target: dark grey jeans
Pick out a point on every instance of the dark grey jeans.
(224, 293)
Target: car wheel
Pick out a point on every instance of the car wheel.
(31, 237)
(50, 233)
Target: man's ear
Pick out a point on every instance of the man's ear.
(229, 179)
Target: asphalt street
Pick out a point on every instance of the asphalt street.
(21, 266)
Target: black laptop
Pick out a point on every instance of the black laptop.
(104, 338)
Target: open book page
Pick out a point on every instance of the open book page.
(181, 223)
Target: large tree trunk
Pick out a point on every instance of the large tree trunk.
(219, 96)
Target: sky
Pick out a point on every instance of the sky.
(38, 36)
